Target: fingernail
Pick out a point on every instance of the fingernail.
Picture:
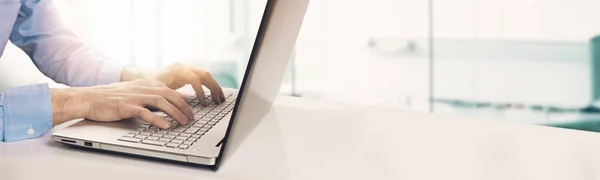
(166, 125)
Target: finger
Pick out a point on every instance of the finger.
(211, 84)
(180, 95)
(145, 115)
(215, 89)
(197, 86)
(173, 97)
(162, 104)
(179, 102)
(222, 94)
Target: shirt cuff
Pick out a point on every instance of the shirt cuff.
(109, 72)
(27, 112)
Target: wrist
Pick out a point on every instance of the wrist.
(67, 104)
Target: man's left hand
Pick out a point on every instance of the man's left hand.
(176, 76)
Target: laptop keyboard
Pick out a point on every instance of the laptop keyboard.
(183, 136)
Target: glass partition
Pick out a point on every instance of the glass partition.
(532, 61)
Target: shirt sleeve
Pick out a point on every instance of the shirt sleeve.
(57, 52)
(25, 112)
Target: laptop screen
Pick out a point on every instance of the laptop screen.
(269, 58)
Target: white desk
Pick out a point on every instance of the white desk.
(307, 139)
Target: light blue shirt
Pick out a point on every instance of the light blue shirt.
(35, 27)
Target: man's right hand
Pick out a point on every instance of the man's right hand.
(118, 101)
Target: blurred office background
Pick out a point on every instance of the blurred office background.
(530, 61)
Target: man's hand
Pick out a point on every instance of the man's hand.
(119, 101)
(178, 75)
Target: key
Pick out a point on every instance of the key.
(181, 138)
(212, 123)
(169, 136)
(174, 133)
(209, 116)
(145, 126)
(205, 119)
(185, 135)
(156, 135)
(189, 143)
(204, 129)
(130, 135)
(196, 105)
(129, 139)
(187, 125)
(192, 130)
(208, 125)
(164, 139)
(214, 111)
(156, 143)
(146, 134)
(193, 139)
(162, 132)
(140, 129)
(198, 125)
(173, 126)
(178, 129)
(183, 147)
(140, 137)
(177, 141)
(152, 138)
(172, 145)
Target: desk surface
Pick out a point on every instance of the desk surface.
(309, 139)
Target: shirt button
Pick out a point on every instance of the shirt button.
(30, 131)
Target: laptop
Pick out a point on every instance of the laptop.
(217, 131)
